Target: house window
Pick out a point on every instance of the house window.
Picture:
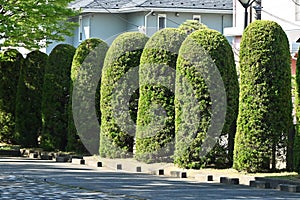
(80, 29)
(162, 21)
(197, 18)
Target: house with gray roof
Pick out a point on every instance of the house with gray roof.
(106, 19)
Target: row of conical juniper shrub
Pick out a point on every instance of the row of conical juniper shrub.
(29, 97)
(10, 65)
(206, 75)
(85, 87)
(154, 136)
(296, 141)
(265, 107)
(156, 127)
(56, 94)
(123, 55)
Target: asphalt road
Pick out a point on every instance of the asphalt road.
(82, 178)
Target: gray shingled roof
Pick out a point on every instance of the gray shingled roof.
(185, 4)
(204, 4)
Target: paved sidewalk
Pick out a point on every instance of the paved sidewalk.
(37, 179)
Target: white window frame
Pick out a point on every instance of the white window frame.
(197, 17)
(158, 20)
(80, 29)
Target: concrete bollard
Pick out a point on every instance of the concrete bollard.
(138, 169)
(210, 178)
(161, 172)
(234, 181)
(119, 166)
(99, 164)
(224, 180)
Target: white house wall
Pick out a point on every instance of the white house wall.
(108, 26)
(134, 20)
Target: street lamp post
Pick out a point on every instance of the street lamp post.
(246, 4)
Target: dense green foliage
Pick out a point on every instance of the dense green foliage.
(87, 63)
(197, 53)
(10, 65)
(296, 150)
(155, 136)
(56, 93)
(29, 99)
(29, 23)
(265, 107)
(123, 55)
(190, 26)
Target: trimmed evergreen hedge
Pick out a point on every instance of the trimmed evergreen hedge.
(123, 55)
(197, 53)
(296, 149)
(87, 63)
(190, 26)
(56, 93)
(265, 107)
(29, 99)
(154, 144)
(10, 65)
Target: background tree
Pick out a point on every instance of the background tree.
(10, 65)
(29, 99)
(265, 107)
(56, 93)
(86, 68)
(123, 55)
(200, 53)
(154, 140)
(30, 23)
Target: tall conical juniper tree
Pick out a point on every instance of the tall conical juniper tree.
(86, 69)
(296, 148)
(155, 132)
(205, 51)
(10, 65)
(265, 107)
(122, 56)
(56, 93)
(29, 99)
